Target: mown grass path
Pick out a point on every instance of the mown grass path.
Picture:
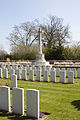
(62, 101)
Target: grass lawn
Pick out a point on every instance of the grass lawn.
(62, 101)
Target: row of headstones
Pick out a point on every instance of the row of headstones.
(76, 71)
(45, 78)
(27, 68)
(32, 101)
(33, 67)
(42, 69)
(62, 75)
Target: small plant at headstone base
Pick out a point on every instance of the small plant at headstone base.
(41, 114)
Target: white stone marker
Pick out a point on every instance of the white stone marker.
(5, 73)
(39, 68)
(5, 98)
(48, 68)
(71, 77)
(12, 71)
(32, 103)
(68, 70)
(8, 66)
(16, 67)
(45, 76)
(18, 74)
(2, 66)
(24, 74)
(63, 69)
(18, 101)
(13, 81)
(62, 76)
(0, 72)
(29, 69)
(43, 69)
(52, 76)
(13, 66)
(74, 70)
(35, 70)
(38, 75)
(78, 73)
(53, 68)
(20, 70)
(31, 75)
(57, 72)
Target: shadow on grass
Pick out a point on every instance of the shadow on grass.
(76, 103)
(11, 116)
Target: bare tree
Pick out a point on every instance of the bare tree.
(24, 34)
(54, 32)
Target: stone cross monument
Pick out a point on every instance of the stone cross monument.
(40, 41)
(40, 60)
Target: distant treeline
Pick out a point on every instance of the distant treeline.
(29, 53)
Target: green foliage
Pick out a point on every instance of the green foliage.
(62, 53)
(59, 53)
(8, 56)
(54, 53)
(22, 52)
(68, 53)
(49, 53)
(3, 54)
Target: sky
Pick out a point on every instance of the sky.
(14, 12)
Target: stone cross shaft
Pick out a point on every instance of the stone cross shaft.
(40, 41)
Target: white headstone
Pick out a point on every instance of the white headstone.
(71, 77)
(63, 69)
(2, 66)
(57, 72)
(38, 75)
(35, 70)
(8, 66)
(16, 67)
(12, 71)
(45, 76)
(13, 81)
(39, 68)
(30, 68)
(5, 98)
(43, 69)
(78, 73)
(24, 74)
(68, 70)
(31, 75)
(74, 70)
(62, 76)
(18, 101)
(33, 103)
(0, 72)
(5, 73)
(18, 74)
(48, 68)
(52, 76)
(53, 68)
